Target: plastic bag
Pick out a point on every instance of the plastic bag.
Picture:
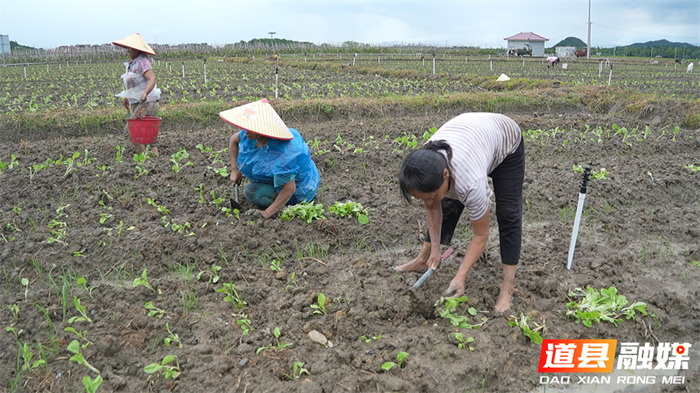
(135, 85)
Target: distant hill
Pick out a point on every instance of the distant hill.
(570, 41)
(664, 48)
(14, 45)
(661, 43)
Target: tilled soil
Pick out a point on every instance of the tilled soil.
(639, 233)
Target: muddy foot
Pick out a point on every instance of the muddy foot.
(413, 266)
(504, 300)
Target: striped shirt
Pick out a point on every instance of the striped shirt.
(479, 142)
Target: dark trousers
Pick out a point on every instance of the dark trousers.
(508, 188)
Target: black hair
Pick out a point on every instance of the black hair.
(423, 169)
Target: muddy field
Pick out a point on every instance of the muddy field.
(640, 233)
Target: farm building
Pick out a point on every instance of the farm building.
(565, 51)
(519, 41)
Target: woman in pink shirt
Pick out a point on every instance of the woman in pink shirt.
(141, 96)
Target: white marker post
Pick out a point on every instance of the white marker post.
(577, 220)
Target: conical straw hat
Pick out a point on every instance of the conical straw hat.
(135, 41)
(258, 117)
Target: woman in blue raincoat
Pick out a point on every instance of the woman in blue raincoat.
(274, 158)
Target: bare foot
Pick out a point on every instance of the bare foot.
(504, 298)
(419, 264)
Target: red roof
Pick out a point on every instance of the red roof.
(526, 37)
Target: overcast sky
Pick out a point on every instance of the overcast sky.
(52, 23)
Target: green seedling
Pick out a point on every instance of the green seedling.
(143, 280)
(231, 212)
(203, 149)
(462, 342)
(369, 340)
(161, 209)
(320, 306)
(177, 157)
(104, 169)
(27, 355)
(91, 385)
(350, 209)
(82, 283)
(58, 230)
(532, 334)
(458, 319)
(70, 161)
(169, 371)
(15, 333)
(400, 361)
(104, 217)
(232, 295)
(293, 282)
(606, 305)
(223, 171)
(692, 167)
(25, 282)
(407, 141)
(217, 201)
(140, 160)
(307, 211)
(275, 265)
(14, 310)
(297, 371)
(82, 335)
(74, 347)
(16, 209)
(9, 165)
(200, 189)
(82, 310)
(172, 337)
(213, 274)
(120, 153)
(154, 311)
(280, 345)
(243, 321)
(429, 133)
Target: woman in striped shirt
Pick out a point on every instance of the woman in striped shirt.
(451, 172)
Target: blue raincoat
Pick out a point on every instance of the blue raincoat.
(280, 161)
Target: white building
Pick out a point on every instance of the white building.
(565, 51)
(535, 41)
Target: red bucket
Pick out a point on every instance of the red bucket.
(144, 130)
